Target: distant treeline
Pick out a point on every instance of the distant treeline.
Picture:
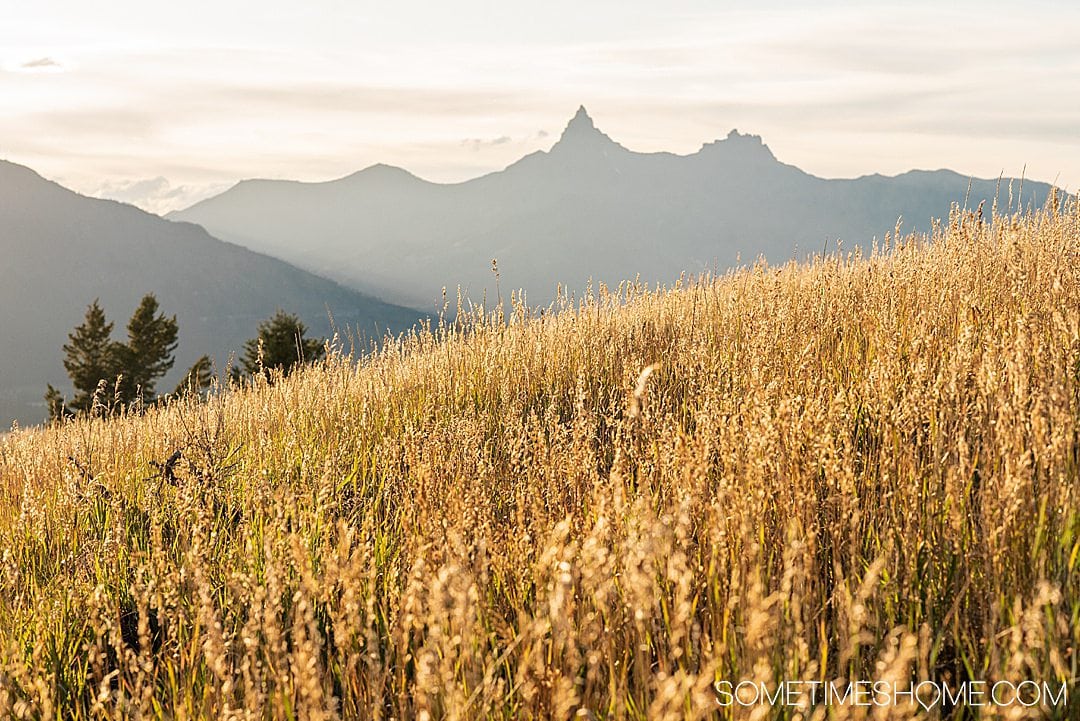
(108, 374)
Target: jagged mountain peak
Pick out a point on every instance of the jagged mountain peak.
(581, 120)
(743, 145)
(581, 134)
(587, 207)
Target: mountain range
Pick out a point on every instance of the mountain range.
(588, 208)
(61, 250)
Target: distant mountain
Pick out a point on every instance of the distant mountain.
(59, 251)
(588, 208)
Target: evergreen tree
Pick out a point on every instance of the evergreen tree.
(91, 356)
(197, 379)
(92, 359)
(54, 401)
(148, 354)
(280, 344)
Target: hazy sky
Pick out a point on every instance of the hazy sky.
(161, 104)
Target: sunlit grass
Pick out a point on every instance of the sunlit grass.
(861, 468)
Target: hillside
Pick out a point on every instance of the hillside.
(61, 250)
(587, 208)
(858, 468)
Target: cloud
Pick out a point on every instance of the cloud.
(155, 195)
(41, 63)
(477, 143)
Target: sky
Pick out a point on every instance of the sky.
(163, 104)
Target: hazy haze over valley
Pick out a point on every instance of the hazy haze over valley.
(61, 250)
(587, 208)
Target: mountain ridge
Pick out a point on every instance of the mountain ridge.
(733, 135)
(62, 250)
(588, 207)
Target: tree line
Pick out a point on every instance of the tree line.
(108, 373)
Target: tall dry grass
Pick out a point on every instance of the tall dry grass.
(854, 468)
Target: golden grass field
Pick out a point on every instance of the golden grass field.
(851, 468)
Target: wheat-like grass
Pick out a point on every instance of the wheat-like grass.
(852, 468)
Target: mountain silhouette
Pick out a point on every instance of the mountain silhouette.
(586, 208)
(62, 250)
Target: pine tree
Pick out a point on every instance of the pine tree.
(197, 379)
(91, 357)
(126, 372)
(148, 354)
(54, 401)
(280, 345)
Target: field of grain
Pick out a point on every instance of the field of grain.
(850, 468)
